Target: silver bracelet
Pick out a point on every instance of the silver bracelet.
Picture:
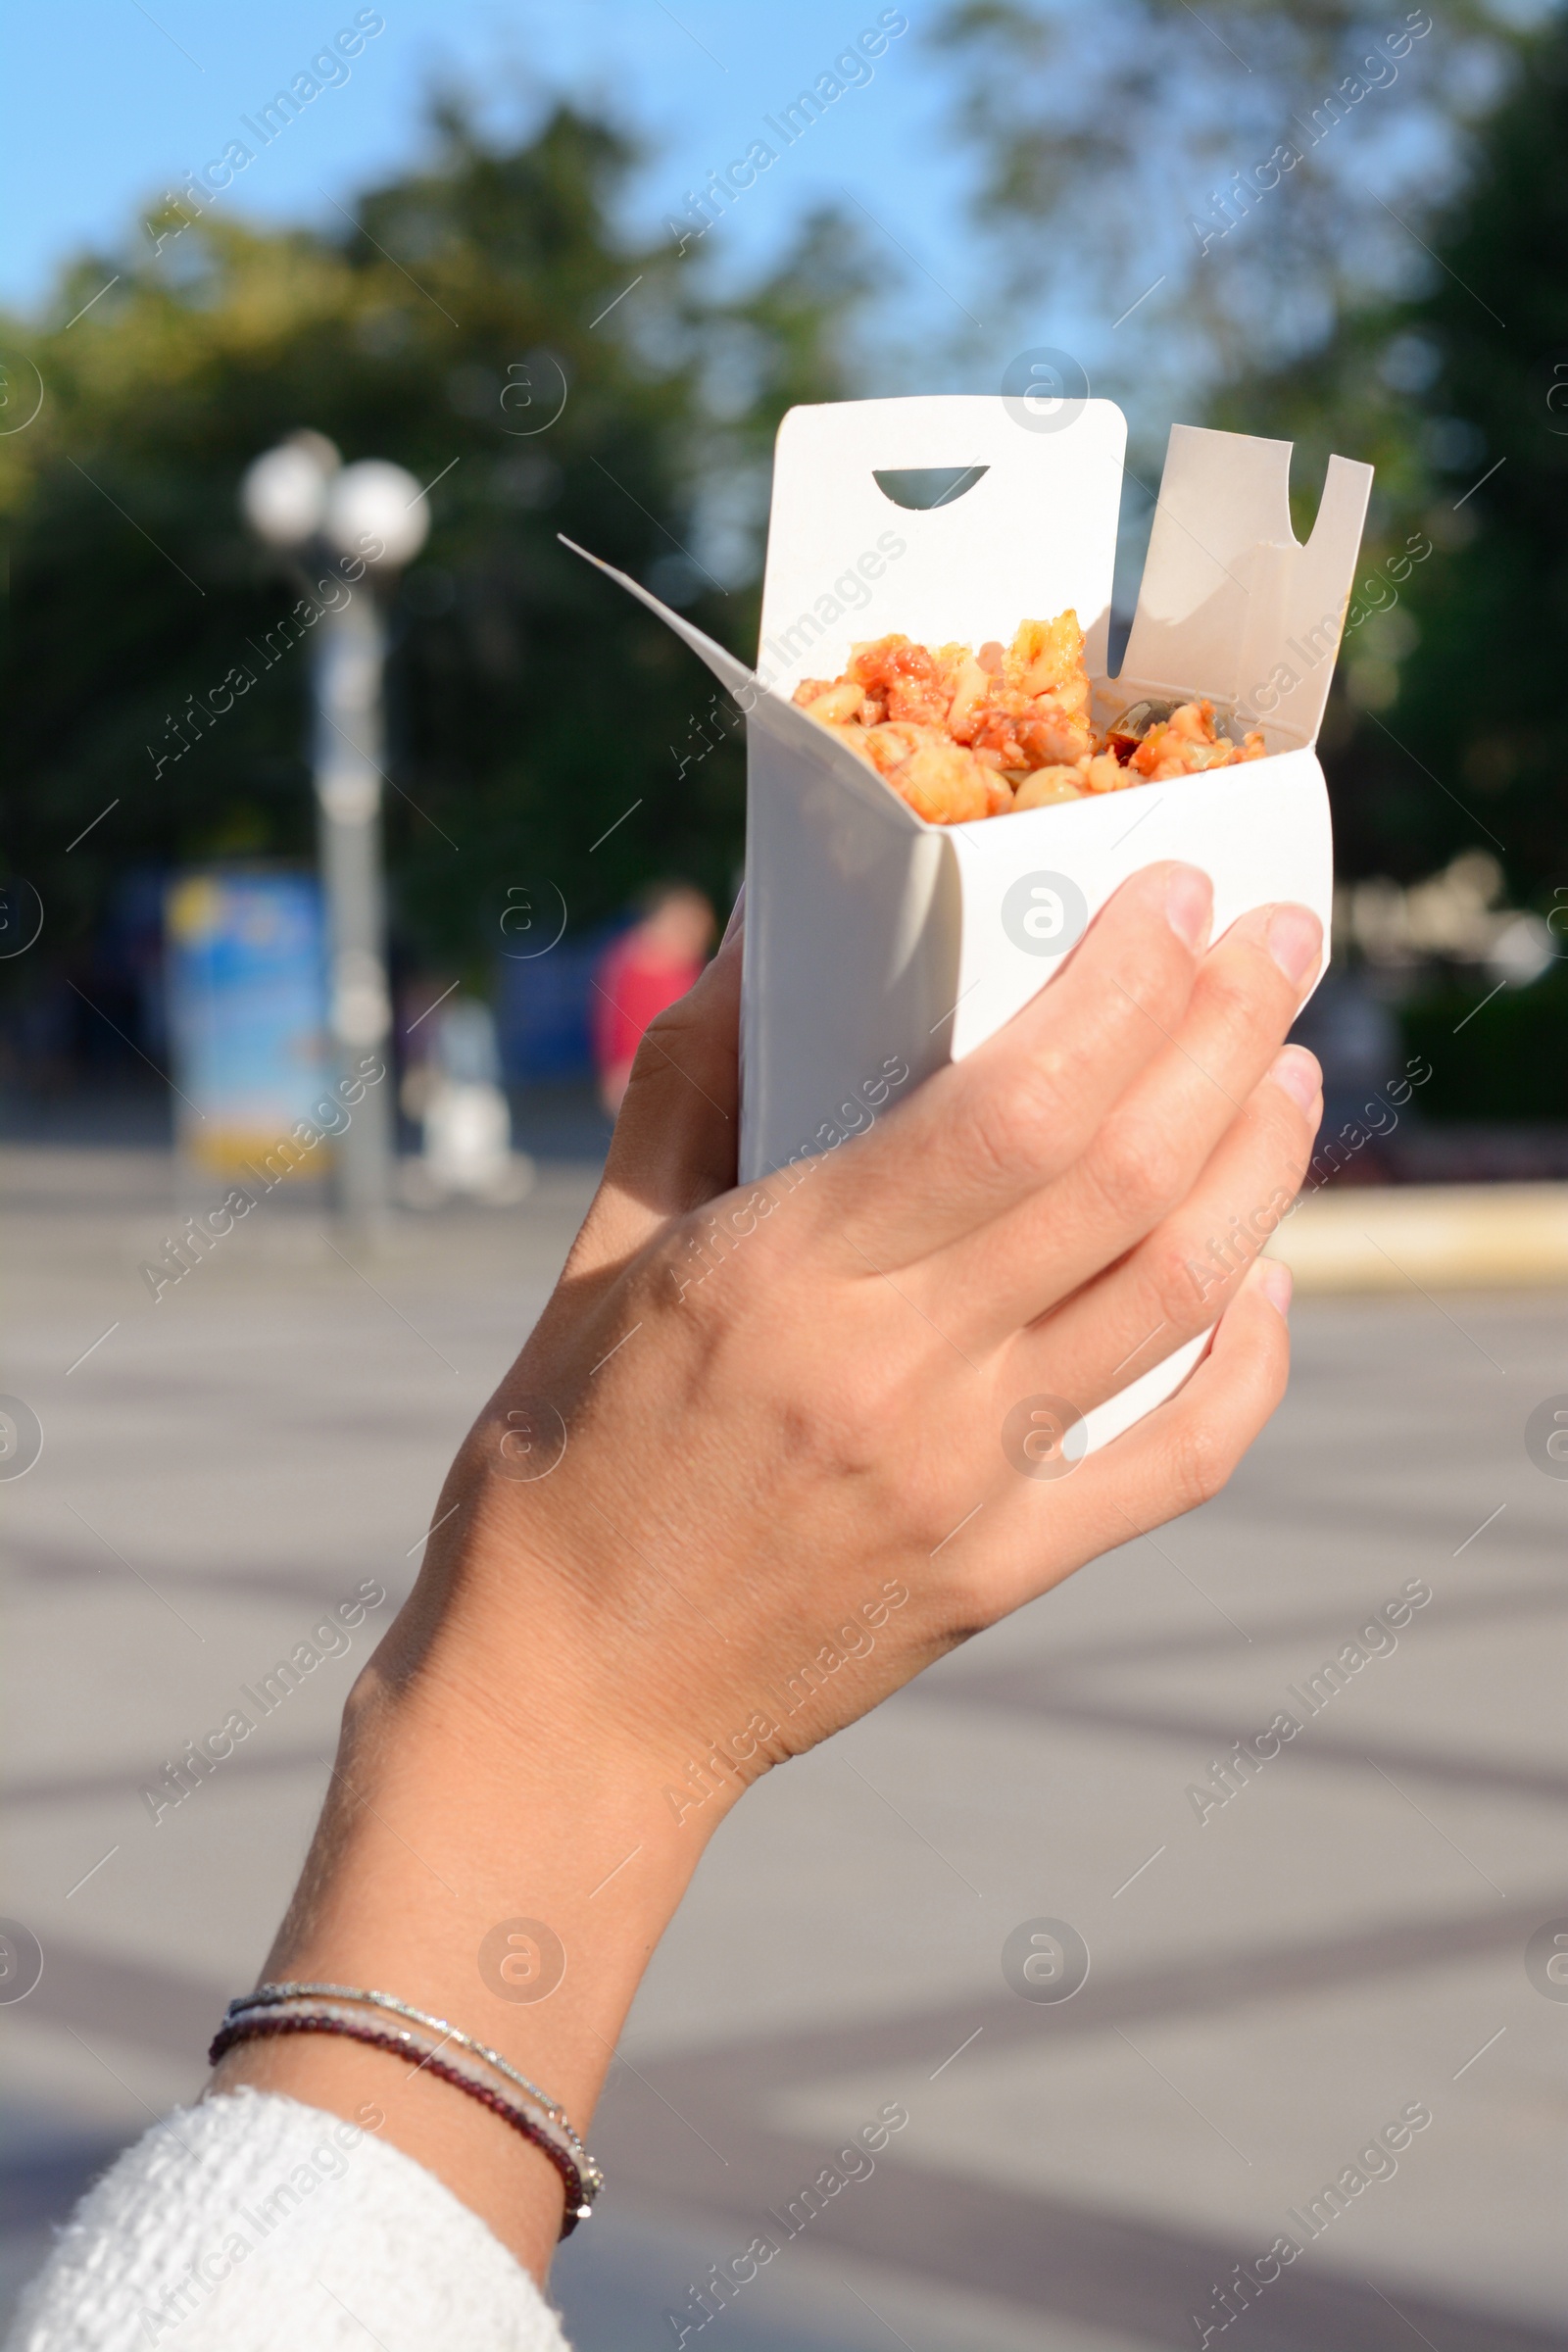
(269, 1995)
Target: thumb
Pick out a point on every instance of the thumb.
(675, 1139)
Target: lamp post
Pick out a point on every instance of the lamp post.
(300, 498)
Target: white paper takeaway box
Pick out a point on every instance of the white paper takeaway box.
(873, 937)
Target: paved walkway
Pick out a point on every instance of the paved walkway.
(1339, 1942)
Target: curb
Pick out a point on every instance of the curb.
(1436, 1237)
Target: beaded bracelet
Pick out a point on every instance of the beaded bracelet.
(549, 2118)
(278, 2010)
(265, 1995)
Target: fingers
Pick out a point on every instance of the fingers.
(1182, 1275)
(1156, 1140)
(987, 1132)
(675, 1139)
(1180, 1455)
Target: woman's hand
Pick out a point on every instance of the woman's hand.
(783, 1403)
(769, 1452)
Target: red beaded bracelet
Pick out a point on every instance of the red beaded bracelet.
(257, 2028)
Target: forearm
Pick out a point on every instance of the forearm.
(446, 1821)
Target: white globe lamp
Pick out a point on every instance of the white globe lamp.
(285, 493)
(376, 504)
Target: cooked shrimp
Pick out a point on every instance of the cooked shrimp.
(940, 780)
(1048, 655)
(971, 689)
(1050, 735)
(1046, 786)
(835, 704)
(906, 677)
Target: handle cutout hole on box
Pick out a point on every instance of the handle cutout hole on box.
(922, 487)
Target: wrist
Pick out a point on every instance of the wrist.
(526, 1640)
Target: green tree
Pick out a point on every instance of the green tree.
(1211, 180)
(1441, 734)
(532, 704)
(1479, 660)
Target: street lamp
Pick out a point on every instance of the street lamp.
(302, 498)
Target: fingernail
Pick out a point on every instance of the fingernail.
(737, 916)
(1296, 943)
(1275, 1281)
(1299, 1073)
(1190, 905)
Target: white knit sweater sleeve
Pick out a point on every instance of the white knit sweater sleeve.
(251, 2224)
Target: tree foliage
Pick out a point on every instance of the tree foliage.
(1229, 171)
(532, 704)
(1444, 739)
(1481, 658)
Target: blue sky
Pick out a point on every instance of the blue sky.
(112, 101)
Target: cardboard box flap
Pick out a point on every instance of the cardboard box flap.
(726, 667)
(1231, 603)
(1033, 532)
(773, 712)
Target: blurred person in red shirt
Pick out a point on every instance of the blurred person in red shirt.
(641, 971)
